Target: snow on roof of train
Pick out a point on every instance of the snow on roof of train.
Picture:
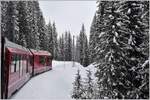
(10, 44)
(14, 45)
(40, 52)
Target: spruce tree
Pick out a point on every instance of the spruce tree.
(73, 48)
(77, 87)
(66, 46)
(136, 28)
(23, 24)
(83, 47)
(120, 43)
(86, 52)
(77, 52)
(33, 38)
(88, 86)
(61, 48)
(43, 38)
(11, 21)
(92, 40)
(50, 37)
(111, 69)
(4, 5)
(55, 42)
(69, 47)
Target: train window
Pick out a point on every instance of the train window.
(17, 62)
(23, 63)
(13, 63)
(21, 66)
(42, 60)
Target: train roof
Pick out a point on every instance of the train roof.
(15, 48)
(40, 52)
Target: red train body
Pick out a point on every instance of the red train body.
(41, 62)
(20, 64)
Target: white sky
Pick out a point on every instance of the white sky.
(69, 15)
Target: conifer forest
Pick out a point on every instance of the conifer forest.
(118, 45)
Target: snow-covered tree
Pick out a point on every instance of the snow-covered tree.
(119, 48)
(92, 40)
(61, 48)
(86, 52)
(50, 37)
(136, 29)
(10, 20)
(83, 47)
(88, 86)
(4, 5)
(77, 52)
(77, 87)
(33, 10)
(24, 31)
(55, 42)
(42, 32)
(68, 46)
(73, 48)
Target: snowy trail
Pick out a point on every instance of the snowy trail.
(54, 84)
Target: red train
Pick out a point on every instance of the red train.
(19, 64)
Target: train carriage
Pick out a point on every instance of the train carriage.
(42, 61)
(18, 69)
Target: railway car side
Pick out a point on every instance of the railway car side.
(42, 61)
(18, 69)
(20, 64)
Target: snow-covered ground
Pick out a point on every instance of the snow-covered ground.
(54, 84)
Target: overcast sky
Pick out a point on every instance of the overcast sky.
(69, 15)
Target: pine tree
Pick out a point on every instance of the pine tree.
(33, 38)
(92, 41)
(111, 70)
(4, 5)
(88, 86)
(144, 71)
(83, 47)
(61, 48)
(69, 47)
(73, 48)
(11, 22)
(77, 52)
(77, 87)
(42, 32)
(55, 42)
(23, 24)
(132, 15)
(50, 37)
(86, 52)
(120, 41)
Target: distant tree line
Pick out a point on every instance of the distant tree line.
(119, 47)
(71, 48)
